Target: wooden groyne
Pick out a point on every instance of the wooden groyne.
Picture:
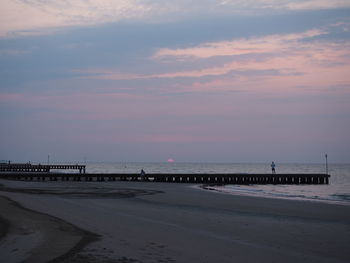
(243, 179)
(39, 168)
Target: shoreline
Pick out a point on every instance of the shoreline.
(47, 228)
(157, 222)
(212, 187)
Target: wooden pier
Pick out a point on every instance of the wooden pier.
(240, 179)
(39, 168)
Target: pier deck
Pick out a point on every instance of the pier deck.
(39, 168)
(242, 179)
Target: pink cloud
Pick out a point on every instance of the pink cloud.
(317, 4)
(243, 46)
(271, 63)
(22, 18)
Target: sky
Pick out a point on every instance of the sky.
(187, 80)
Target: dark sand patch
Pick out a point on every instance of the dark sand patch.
(4, 227)
(92, 258)
(95, 192)
(31, 236)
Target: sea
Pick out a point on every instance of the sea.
(336, 192)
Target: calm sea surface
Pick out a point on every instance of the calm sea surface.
(338, 191)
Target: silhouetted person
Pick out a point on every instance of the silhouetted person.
(273, 166)
(143, 174)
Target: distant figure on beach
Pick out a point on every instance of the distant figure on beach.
(142, 174)
(273, 165)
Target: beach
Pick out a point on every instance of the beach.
(164, 222)
(29, 236)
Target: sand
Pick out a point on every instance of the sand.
(29, 236)
(160, 222)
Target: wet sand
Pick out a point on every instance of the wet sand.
(159, 222)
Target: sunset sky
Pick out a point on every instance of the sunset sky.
(187, 80)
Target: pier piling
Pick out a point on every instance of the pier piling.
(240, 179)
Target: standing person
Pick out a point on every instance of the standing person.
(273, 165)
(142, 174)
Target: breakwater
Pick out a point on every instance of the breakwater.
(238, 178)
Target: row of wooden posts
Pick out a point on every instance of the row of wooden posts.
(40, 168)
(176, 178)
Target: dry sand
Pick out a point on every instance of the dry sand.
(159, 222)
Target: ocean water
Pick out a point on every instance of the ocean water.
(338, 191)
